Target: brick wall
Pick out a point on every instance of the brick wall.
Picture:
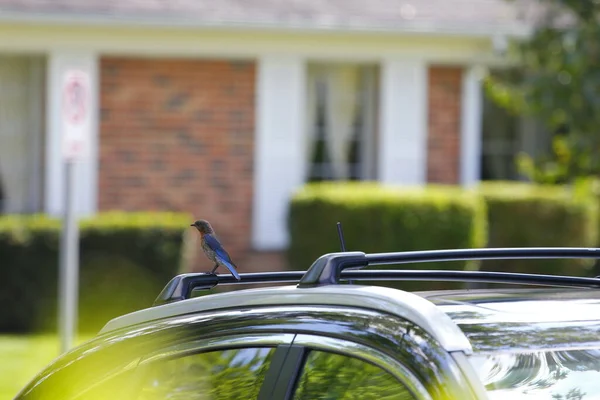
(443, 143)
(177, 135)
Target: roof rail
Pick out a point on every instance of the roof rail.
(327, 268)
(334, 267)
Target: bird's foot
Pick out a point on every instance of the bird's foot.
(214, 269)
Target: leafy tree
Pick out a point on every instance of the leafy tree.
(329, 376)
(558, 81)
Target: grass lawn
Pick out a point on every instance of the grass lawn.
(22, 357)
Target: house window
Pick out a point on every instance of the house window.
(341, 137)
(21, 139)
(504, 136)
(500, 143)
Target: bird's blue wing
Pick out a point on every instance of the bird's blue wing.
(221, 254)
(215, 246)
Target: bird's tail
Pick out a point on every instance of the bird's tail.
(232, 268)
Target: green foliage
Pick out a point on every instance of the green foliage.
(549, 169)
(28, 354)
(329, 376)
(500, 214)
(235, 374)
(525, 215)
(125, 260)
(557, 81)
(379, 219)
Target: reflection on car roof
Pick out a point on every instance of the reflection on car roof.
(524, 319)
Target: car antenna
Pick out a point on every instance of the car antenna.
(342, 242)
(341, 236)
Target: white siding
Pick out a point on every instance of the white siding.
(470, 143)
(403, 122)
(279, 156)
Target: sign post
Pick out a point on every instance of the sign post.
(75, 147)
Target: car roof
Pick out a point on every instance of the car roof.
(409, 306)
(480, 321)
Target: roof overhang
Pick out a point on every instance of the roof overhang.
(407, 28)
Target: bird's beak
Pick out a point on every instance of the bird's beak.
(192, 225)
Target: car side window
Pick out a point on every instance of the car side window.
(216, 375)
(334, 376)
(123, 383)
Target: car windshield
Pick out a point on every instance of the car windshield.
(569, 374)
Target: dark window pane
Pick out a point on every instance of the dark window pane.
(217, 375)
(329, 376)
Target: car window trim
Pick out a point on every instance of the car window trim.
(283, 388)
(280, 343)
(349, 349)
(216, 343)
(477, 388)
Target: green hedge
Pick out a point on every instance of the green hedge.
(380, 219)
(526, 215)
(125, 260)
(591, 186)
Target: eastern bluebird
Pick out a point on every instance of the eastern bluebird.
(213, 249)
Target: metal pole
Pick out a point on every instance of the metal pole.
(69, 264)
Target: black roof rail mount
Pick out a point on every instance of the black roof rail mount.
(182, 286)
(331, 268)
(327, 269)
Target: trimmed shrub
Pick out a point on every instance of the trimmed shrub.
(591, 186)
(125, 260)
(526, 215)
(378, 218)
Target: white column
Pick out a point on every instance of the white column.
(403, 122)
(471, 114)
(87, 171)
(279, 146)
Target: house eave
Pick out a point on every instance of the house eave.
(301, 27)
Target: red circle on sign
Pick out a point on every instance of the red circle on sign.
(74, 101)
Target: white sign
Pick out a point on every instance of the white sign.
(76, 124)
